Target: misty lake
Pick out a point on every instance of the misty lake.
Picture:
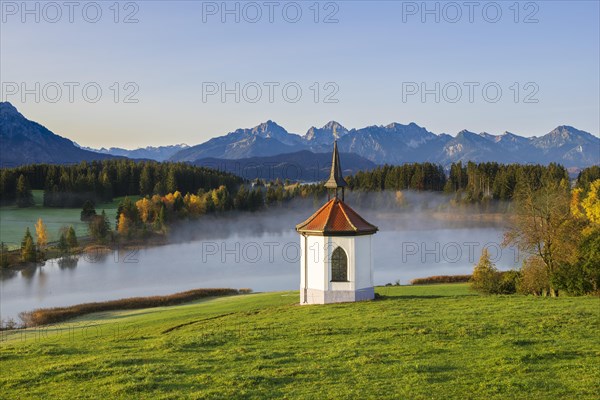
(258, 251)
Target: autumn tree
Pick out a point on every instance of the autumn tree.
(591, 205)
(41, 234)
(128, 209)
(221, 199)
(144, 207)
(534, 277)
(583, 275)
(124, 226)
(543, 225)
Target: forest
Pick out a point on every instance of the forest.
(70, 186)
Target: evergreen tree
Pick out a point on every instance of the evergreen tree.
(28, 252)
(145, 181)
(271, 195)
(241, 201)
(88, 211)
(485, 278)
(99, 227)
(24, 197)
(72, 238)
(159, 222)
(171, 184)
(63, 246)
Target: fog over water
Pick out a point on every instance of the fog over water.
(420, 235)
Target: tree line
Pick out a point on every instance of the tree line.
(100, 181)
(470, 182)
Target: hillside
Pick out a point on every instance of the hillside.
(302, 165)
(416, 342)
(27, 142)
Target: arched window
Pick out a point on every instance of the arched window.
(339, 265)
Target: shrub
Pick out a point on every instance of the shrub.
(43, 316)
(441, 279)
(485, 278)
(508, 281)
(71, 238)
(534, 277)
(583, 276)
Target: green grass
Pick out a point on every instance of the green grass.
(14, 220)
(439, 342)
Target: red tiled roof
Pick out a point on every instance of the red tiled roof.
(336, 218)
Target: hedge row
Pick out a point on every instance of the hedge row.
(43, 316)
(441, 279)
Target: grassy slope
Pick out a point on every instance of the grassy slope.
(14, 220)
(419, 342)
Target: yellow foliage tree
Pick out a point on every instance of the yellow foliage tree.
(169, 199)
(194, 204)
(591, 203)
(124, 224)
(144, 207)
(41, 233)
(576, 208)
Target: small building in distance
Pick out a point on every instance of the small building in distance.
(336, 260)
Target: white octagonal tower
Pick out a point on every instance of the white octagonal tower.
(336, 258)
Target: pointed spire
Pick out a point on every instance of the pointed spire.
(336, 179)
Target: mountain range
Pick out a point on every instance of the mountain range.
(25, 142)
(160, 153)
(397, 143)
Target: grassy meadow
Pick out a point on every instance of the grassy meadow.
(14, 220)
(436, 341)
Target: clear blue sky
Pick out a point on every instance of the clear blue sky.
(375, 50)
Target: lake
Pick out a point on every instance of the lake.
(258, 251)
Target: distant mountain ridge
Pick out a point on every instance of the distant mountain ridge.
(27, 142)
(396, 143)
(160, 153)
